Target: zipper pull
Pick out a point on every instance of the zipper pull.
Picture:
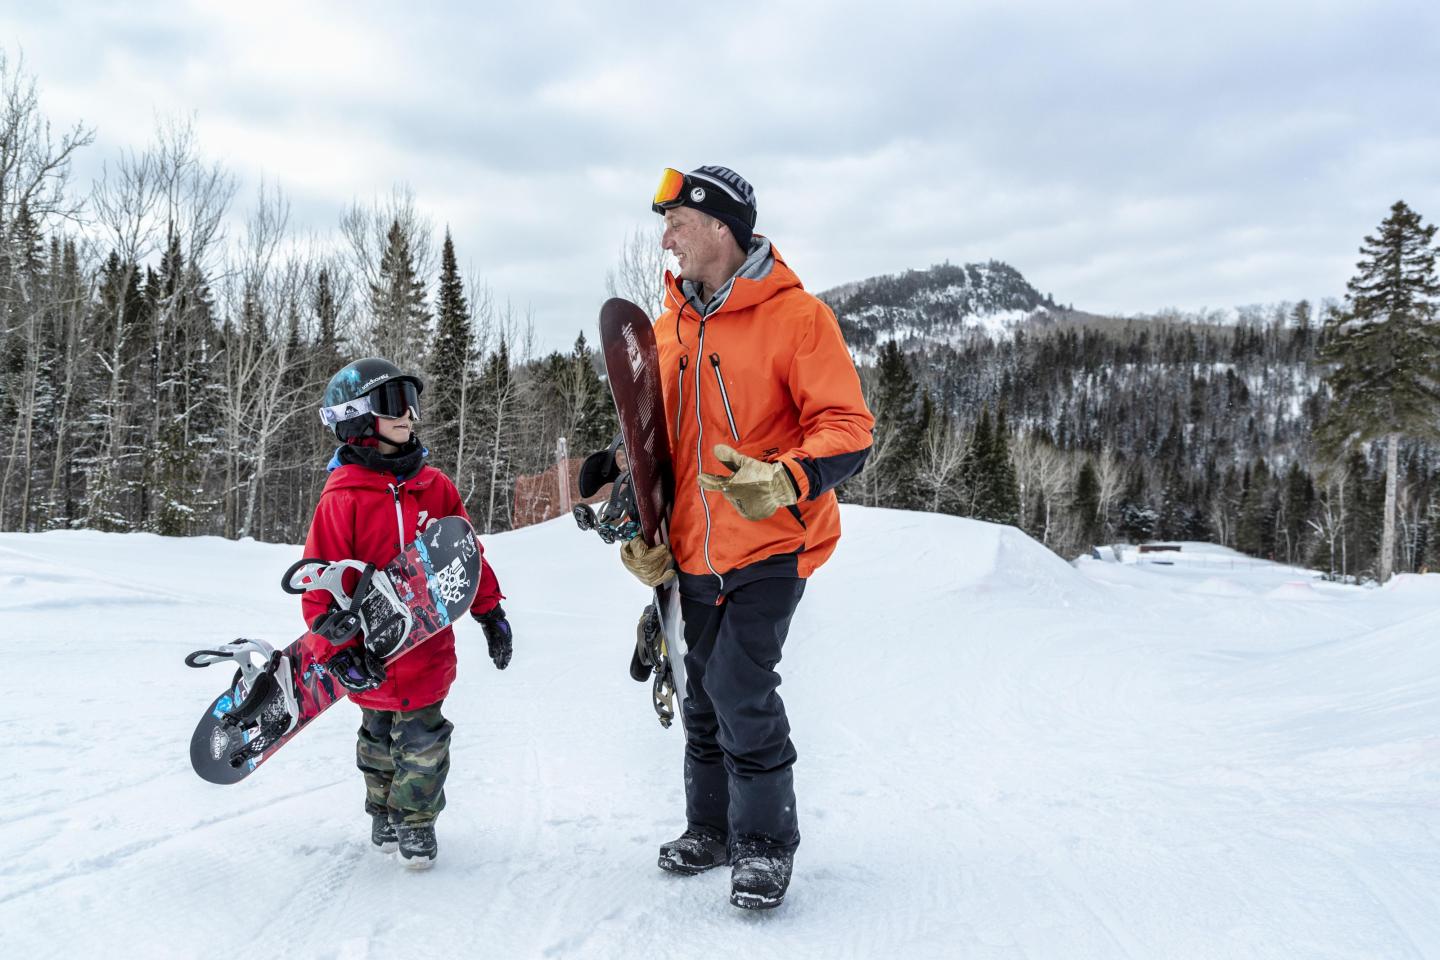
(399, 515)
(680, 393)
(724, 396)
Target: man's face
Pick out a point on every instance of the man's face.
(698, 241)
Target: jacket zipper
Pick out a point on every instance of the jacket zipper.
(399, 515)
(700, 462)
(680, 405)
(724, 395)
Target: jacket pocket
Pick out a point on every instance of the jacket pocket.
(724, 396)
(680, 395)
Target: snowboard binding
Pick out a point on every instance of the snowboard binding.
(615, 520)
(260, 708)
(652, 658)
(375, 611)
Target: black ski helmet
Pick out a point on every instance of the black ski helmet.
(359, 390)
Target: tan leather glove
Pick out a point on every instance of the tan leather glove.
(652, 566)
(755, 488)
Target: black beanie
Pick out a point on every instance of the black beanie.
(726, 196)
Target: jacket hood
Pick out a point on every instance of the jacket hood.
(763, 275)
(355, 476)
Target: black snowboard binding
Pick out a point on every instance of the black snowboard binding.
(262, 707)
(375, 611)
(615, 520)
(651, 658)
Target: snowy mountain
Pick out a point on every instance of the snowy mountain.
(937, 305)
(1002, 755)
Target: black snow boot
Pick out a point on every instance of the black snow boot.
(694, 851)
(382, 833)
(417, 845)
(759, 876)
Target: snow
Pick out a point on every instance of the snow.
(1001, 755)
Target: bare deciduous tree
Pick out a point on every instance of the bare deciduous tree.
(34, 166)
(943, 452)
(1044, 475)
(639, 273)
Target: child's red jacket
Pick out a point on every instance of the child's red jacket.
(369, 516)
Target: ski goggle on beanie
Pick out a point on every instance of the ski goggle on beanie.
(389, 401)
(718, 191)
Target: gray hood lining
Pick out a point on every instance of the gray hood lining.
(757, 266)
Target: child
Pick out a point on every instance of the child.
(379, 496)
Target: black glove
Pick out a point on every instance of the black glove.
(357, 669)
(498, 635)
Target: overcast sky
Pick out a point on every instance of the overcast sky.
(1125, 157)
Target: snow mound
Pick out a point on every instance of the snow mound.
(1295, 590)
(923, 554)
(1221, 587)
(1414, 584)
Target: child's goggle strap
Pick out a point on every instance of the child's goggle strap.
(348, 410)
(678, 189)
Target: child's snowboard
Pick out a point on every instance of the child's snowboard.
(275, 693)
(642, 493)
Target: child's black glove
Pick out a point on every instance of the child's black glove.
(357, 669)
(498, 635)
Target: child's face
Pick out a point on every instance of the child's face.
(396, 431)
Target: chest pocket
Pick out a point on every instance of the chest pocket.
(724, 395)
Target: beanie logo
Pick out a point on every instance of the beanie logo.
(697, 195)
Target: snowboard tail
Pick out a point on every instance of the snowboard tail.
(276, 693)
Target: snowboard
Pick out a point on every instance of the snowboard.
(276, 693)
(641, 492)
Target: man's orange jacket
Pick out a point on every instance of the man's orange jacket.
(765, 371)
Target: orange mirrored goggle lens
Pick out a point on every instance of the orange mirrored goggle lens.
(671, 183)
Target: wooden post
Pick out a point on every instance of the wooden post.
(562, 474)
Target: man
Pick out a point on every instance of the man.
(765, 416)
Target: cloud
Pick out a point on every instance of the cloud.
(1124, 156)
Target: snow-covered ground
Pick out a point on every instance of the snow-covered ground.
(1001, 755)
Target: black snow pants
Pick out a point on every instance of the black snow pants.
(738, 754)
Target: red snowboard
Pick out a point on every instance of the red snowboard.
(275, 693)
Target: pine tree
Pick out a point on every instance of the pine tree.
(1255, 531)
(1004, 488)
(1384, 353)
(451, 364)
(895, 454)
(1175, 511)
(992, 491)
(973, 475)
(23, 279)
(400, 321)
(1138, 520)
(595, 422)
(327, 318)
(110, 458)
(495, 458)
(1085, 505)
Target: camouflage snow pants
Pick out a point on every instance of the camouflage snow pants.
(405, 755)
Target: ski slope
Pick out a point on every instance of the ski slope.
(1001, 756)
